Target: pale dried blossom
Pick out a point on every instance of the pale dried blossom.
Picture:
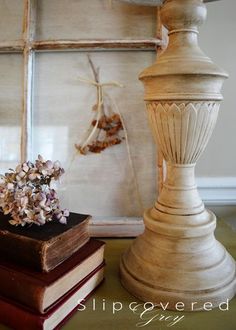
(26, 195)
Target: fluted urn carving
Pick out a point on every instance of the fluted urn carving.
(177, 258)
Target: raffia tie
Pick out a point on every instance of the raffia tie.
(100, 87)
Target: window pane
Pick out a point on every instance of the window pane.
(101, 184)
(11, 19)
(78, 19)
(10, 109)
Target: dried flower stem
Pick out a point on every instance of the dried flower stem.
(95, 71)
(129, 154)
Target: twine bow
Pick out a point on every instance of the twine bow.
(100, 87)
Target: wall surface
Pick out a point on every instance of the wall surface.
(218, 42)
(217, 166)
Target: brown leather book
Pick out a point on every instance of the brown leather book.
(42, 248)
(39, 291)
(18, 317)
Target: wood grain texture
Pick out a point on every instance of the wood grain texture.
(178, 255)
(68, 45)
(80, 45)
(15, 46)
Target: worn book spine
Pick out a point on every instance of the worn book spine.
(42, 254)
(29, 288)
(63, 247)
(19, 317)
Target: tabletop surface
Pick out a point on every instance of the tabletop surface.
(111, 291)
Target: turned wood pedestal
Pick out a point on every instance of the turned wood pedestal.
(177, 258)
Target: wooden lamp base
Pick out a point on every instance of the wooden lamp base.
(178, 259)
(170, 264)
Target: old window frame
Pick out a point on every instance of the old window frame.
(28, 46)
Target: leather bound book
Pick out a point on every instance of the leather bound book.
(39, 291)
(18, 317)
(42, 248)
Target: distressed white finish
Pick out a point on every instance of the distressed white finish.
(178, 258)
(182, 130)
(96, 44)
(28, 55)
(116, 227)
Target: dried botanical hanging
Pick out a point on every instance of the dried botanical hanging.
(106, 128)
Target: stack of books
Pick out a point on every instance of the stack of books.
(46, 272)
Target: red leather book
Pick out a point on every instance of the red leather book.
(38, 290)
(44, 247)
(18, 317)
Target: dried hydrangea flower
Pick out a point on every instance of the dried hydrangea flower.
(26, 195)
